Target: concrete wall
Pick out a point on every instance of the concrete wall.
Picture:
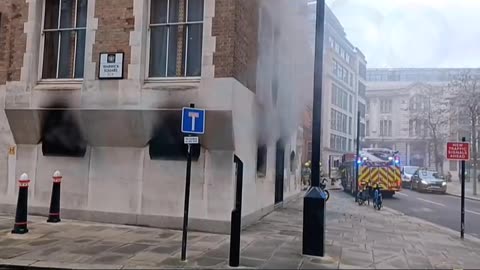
(143, 191)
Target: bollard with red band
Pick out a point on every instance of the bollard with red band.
(20, 226)
(54, 215)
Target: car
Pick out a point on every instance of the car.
(428, 181)
(407, 172)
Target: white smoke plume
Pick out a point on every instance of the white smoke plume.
(285, 56)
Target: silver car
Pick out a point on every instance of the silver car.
(428, 181)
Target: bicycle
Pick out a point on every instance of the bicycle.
(363, 197)
(323, 187)
(377, 199)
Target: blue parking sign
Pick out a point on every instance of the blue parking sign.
(193, 121)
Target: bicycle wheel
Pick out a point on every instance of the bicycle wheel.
(327, 195)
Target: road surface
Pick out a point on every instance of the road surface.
(440, 209)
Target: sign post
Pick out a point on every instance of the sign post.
(460, 151)
(193, 122)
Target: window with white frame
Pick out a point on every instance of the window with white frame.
(63, 34)
(176, 36)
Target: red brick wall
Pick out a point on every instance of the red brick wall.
(235, 27)
(12, 39)
(3, 42)
(115, 22)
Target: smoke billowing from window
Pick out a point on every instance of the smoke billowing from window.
(284, 70)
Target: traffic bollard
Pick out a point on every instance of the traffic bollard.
(54, 214)
(20, 226)
(314, 222)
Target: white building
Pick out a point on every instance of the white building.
(118, 142)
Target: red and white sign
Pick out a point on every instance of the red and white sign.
(458, 151)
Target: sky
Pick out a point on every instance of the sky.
(413, 33)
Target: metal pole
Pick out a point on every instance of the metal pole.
(317, 93)
(314, 201)
(357, 156)
(187, 200)
(462, 218)
(407, 161)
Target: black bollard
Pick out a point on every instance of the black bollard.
(236, 218)
(314, 223)
(54, 214)
(20, 226)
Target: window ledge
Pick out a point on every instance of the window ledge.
(59, 85)
(172, 83)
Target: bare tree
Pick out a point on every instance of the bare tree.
(430, 108)
(465, 90)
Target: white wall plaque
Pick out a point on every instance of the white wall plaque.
(111, 66)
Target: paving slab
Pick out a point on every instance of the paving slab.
(356, 237)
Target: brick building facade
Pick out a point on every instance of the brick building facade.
(118, 142)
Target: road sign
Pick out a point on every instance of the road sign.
(193, 121)
(190, 140)
(458, 151)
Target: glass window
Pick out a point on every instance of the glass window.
(418, 127)
(176, 36)
(333, 120)
(334, 94)
(350, 103)
(410, 128)
(386, 106)
(338, 142)
(350, 127)
(64, 26)
(344, 144)
(332, 141)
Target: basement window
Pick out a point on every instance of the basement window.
(176, 36)
(61, 134)
(293, 162)
(167, 140)
(262, 160)
(63, 39)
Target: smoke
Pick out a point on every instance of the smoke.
(284, 70)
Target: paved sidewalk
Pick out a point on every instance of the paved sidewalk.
(455, 188)
(357, 237)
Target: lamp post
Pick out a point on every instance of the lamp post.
(314, 200)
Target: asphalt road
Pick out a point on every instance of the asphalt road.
(440, 209)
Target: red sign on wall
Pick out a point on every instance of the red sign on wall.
(458, 151)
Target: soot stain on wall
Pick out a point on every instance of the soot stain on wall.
(167, 140)
(61, 133)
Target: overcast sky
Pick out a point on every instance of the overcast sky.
(413, 33)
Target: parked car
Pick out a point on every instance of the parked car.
(407, 173)
(428, 181)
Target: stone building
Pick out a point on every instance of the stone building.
(344, 81)
(392, 94)
(117, 142)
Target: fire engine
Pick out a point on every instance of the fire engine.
(377, 166)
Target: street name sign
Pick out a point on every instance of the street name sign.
(111, 66)
(458, 151)
(193, 121)
(190, 140)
